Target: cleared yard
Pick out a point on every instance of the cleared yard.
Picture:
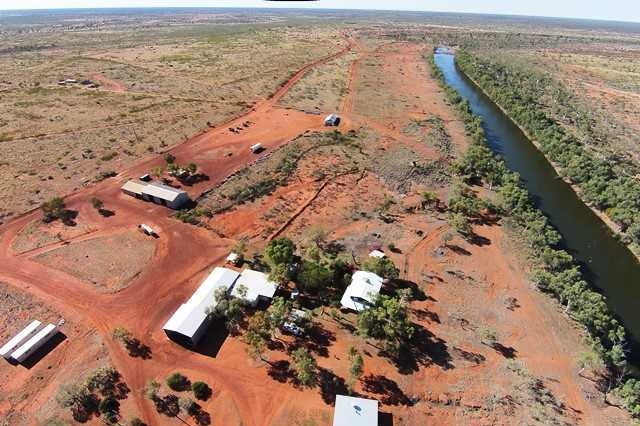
(108, 262)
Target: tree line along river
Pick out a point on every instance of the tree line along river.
(606, 263)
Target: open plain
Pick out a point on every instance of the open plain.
(205, 95)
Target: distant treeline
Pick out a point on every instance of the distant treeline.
(601, 183)
(553, 269)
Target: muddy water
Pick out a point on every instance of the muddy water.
(607, 264)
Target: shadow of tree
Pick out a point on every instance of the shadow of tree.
(472, 357)
(280, 371)
(389, 391)
(424, 349)
(330, 385)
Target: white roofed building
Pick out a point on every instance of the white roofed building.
(379, 254)
(257, 286)
(362, 292)
(351, 411)
(156, 192)
(190, 321)
(16, 341)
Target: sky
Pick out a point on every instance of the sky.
(622, 10)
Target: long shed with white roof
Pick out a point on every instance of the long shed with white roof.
(16, 341)
(188, 324)
(156, 192)
(34, 343)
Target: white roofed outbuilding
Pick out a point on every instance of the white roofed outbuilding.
(379, 254)
(188, 324)
(362, 292)
(156, 192)
(16, 341)
(352, 411)
(257, 285)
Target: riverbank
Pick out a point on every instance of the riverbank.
(615, 229)
(554, 271)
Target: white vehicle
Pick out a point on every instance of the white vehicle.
(332, 120)
(147, 230)
(256, 148)
(292, 328)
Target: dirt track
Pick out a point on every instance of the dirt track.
(243, 393)
(182, 255)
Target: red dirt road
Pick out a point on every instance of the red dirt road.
(183, 254)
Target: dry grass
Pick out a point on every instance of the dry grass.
(322, 89)
(109, 263)
(156, 89)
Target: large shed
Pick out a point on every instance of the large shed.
(156, 192)
(19, 339)
(351, 411)
(190, 321)
(362, 292)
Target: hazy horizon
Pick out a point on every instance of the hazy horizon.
(572, 9)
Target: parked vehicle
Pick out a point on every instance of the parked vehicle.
(292, 328)
(146, 229)
(145, 178)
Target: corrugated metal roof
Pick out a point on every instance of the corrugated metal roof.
(191, 314)
(164, 192)
(134, 186)
(20, 338)
(364, 286)
(351, 411)
(257, 284)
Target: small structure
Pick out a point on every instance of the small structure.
(145, 177)
(233, 259)
(147, 230)
(257, 285)
(362, 292)
(351, 411)
(332, 120)
(156, 192)
(34, 343)
(20, 338)
(71, 81)
(256, 148)
(188, 324)
(377, 254)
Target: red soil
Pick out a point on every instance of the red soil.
(244, 392)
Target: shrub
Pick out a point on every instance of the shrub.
(201, 390)
(177, 382)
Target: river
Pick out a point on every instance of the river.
(606, 263)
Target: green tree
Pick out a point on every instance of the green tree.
(169, 158)
(201, 390)
(228, 308)
(313, 276)
(55, 209)
(122, 335)
(280, 251)
(178, 382)
(460, 224)
(388, 322)
(383, 267)
(305, 367)
(629, 393)
(192, 168)
(104, 380)
(356, 369)
(97, 203)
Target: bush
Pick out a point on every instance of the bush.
(178, 382)
(201, 390)
(381, 266)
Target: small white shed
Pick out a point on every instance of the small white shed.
(362, 292)
(352, 411)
